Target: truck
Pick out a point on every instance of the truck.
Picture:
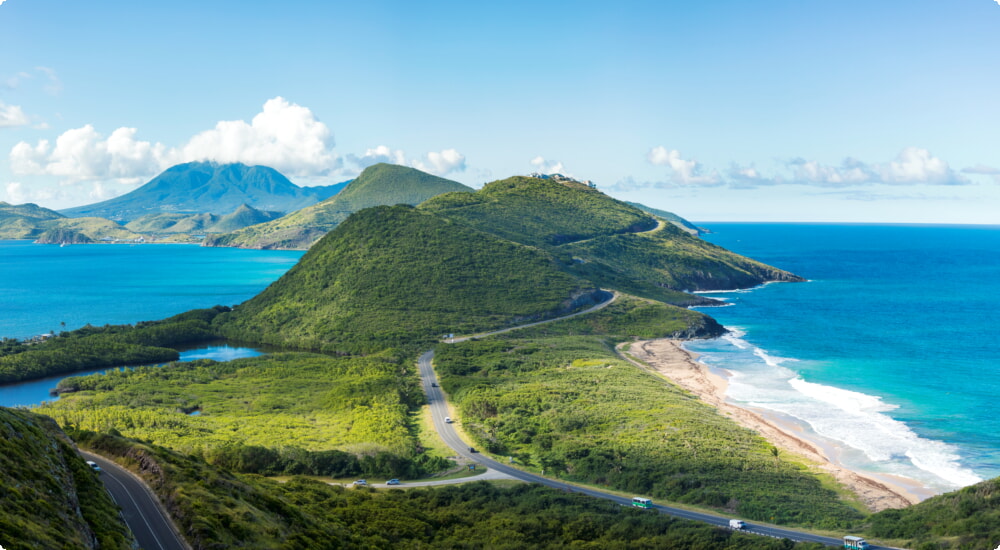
(855, 543)
(737, 524)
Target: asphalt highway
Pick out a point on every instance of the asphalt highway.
(439, 411)
(143, 514)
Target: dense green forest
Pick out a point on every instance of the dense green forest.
(50, 497)
(92, 347)
(219, 509)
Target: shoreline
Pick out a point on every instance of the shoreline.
(668, 358)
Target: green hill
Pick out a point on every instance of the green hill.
(200, 187)
(609, 242)
(670, 217)
(966, 518)
(30, 221)
(541, 212)
(381, 184)
(173, 222)
(51, 498)
(395, 276)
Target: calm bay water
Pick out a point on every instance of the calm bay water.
(34, 392)
(891, 351)
(47, 288)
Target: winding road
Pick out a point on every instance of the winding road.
(154, 530)
(140, 508)
(439, 411)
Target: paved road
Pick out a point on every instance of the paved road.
(143, 514)
(439, 410)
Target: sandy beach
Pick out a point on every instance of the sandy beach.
(670, 360)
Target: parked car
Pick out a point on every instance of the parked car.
(93, 465)
(361, 483)
(392, 482)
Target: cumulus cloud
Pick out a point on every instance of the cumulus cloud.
(83, 154)
(285, 136)
(682, 171)
(440, 163)
(12, 115)
(913, 165)
(548, 166)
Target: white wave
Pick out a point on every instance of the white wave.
(852, 419)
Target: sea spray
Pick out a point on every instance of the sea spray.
(856, 423)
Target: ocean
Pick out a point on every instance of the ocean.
(46, 288)
(890, 352)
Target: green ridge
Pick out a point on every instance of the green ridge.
(378, 185)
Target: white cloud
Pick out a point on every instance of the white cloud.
(548, 166)
(683, 172)
(12, 115)
(441, 163)
(82, 154)
(913, 165)
(284, 136)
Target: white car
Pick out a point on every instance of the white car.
(93, 465)
(447, 420)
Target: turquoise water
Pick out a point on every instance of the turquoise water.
(890, 351)
(47, 288)
(34, 392)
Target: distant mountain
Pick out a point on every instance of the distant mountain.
(30, 221)
(243, 216)
(381, 184)
(670, 217)
(208, 187)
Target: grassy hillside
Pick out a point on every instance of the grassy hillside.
(29, 221)
(609, 242)
(669, 216)
(395, 276)
(967, 518)
(569, 406)
(541, 212)
(218, 509)
(51, 498)
(381, 184)
(174, 222)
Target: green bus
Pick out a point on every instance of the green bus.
(640, 502)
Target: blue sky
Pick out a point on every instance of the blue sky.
(799, 110)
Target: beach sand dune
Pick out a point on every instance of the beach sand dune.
(667, 358)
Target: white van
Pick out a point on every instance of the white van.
(737, 524)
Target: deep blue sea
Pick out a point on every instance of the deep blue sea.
(890, 352)
(47, 288)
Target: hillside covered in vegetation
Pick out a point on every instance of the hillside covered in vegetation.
(378, 185)
(51, 498)
(30, 221)
(608, 242)
(398, 277)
